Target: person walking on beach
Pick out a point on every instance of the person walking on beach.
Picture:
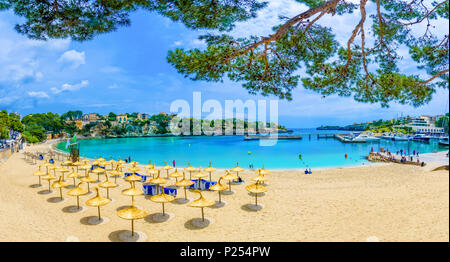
(414, 152)
(173, 163)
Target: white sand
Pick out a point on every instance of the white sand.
(388, 202)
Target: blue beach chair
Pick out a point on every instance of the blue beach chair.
(51, 161)
(170, 191)
(205, 184)
(196, 184)
(149, 190)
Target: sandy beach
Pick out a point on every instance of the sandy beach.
(385, 202)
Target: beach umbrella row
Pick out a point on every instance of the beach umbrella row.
(134, 213)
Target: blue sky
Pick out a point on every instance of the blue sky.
(127, 71)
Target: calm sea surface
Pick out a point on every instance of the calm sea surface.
(225, 151)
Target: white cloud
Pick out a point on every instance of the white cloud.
(38, 94)
(177, 43)
(69, 87)
(73, 58)
(110, 69)
(113, 86)
(198, 43)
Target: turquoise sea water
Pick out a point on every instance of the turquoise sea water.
(224, 151)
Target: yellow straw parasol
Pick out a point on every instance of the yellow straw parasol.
(210, 169)
(260, 178)
(167, 168)
(162, 198)
(49, 177)
(132, 191)
(256, 189)
(184, 183)
(87, 179)
(176, 174)
(200, 174)
(132, 213)
(78, 191)
(107, 184)
(133, 178)
(237, 169)
(264, 171)
(77, 164)
(46, 165)
(39, 173)
(67, 162)
(63, 170)
(159, 180)
(60, 184)
(85, 167)
(201, 203)
(149, 166)
(134, 168)
(96, 163)
(153, 171)
(98, 201)
(115, 173)
(219, 187)
(52, 167)
(73, 175)
(190, 169)
(98, 171)
(229, 176)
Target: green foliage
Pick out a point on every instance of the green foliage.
(82, 20)
(162, 123)
(112, 116)
(274, 64)
(50, 122)
(72, 115)
(7, 122)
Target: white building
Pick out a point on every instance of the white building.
(425, 125)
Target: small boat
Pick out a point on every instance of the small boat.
(421, 138)
(365, 137)
(387, 136)
(443, 141)
(400, 138)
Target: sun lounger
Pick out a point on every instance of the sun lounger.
(149, 190)
(170, 191)
(205, 184)
(196, 184)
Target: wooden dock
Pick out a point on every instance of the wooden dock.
(319, 136)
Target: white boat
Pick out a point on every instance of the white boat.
(387, 136)
(365, 137)
(421, 138)
(443, 141)
(400, 138)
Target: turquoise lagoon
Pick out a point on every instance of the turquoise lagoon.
(225, 151)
